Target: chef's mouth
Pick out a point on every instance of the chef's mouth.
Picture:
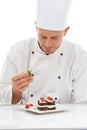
(48, 51)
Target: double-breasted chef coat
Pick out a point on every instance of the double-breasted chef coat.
(62, 75)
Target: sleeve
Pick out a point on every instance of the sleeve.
(79, 86)
(12, 66)
(5, 81)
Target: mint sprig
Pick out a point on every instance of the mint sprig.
(29, 72)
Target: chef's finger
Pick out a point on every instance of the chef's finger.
(22, 89)
(24, 84)
(23, 80)
(20, 76)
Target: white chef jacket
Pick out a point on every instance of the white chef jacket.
(62, 75)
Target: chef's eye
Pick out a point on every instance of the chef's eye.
(54, 38)
(44, 37)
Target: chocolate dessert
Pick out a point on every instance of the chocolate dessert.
(45, 104)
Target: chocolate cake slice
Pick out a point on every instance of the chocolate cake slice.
(42, 104)
(47, 103)
(51, 107)
(42, 101)
(42, 108)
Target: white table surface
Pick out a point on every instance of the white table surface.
(16, 117)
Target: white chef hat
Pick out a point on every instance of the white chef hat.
(52, 14)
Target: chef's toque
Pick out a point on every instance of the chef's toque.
(52, 14)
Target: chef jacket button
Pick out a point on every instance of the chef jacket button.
(61, 54)
(32, 52)
(55, 98)
(32, 74)
(72, 90)
(32, 95)
(73, 80)
(59, 77)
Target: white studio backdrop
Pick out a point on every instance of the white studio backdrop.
(17, 19)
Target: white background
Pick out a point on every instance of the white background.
(17, 23)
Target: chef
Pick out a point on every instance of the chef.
(59, 67)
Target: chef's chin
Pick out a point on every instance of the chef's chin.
(48, 53)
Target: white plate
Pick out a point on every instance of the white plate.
(59, 108)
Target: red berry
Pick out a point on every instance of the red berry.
(31, 105)
(42, 99)
(49, 98)
(27, 106)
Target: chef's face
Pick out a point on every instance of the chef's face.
(49, 41)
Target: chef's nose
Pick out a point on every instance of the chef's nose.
(47, 42)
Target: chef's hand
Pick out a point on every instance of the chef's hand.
(19, 83)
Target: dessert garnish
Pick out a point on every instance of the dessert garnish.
(30, 72)
(27, 106)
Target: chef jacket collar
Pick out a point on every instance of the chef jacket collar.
(39, 50)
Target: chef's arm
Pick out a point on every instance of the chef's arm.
(9, 69)
(19, 83)
(14, 65)
(16, 98)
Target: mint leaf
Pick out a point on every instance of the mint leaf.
(29, 72)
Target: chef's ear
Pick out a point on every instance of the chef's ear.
(66, 30)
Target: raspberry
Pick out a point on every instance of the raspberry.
(27, 106)
(49, 98)
(42, 99)
(31, 105)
